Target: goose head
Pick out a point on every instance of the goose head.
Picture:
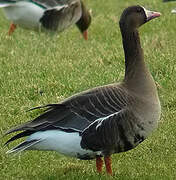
(84, 22)
(135, 16)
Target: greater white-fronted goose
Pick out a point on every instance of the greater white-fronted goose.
(53, 15)
(105, 120)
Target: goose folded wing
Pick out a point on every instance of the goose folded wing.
(75, 113)
(98, 102)
(60, 16)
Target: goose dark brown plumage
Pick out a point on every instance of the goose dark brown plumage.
(105, 120)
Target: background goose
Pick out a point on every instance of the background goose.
(53, 15)
(105, 120)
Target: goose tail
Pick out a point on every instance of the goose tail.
(26, 145)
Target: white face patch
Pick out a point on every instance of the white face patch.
(150, 14)
(147, 12)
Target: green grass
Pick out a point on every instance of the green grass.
(36, 69)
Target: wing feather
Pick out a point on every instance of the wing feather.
(75, 113)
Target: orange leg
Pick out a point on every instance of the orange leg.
(107, 160)
(12, 29)
(85, 35)
(99, 164)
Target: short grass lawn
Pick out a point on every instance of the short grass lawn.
(37, 69)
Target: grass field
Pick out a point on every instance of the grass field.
(36, 69)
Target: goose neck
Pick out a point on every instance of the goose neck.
(137, 76)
